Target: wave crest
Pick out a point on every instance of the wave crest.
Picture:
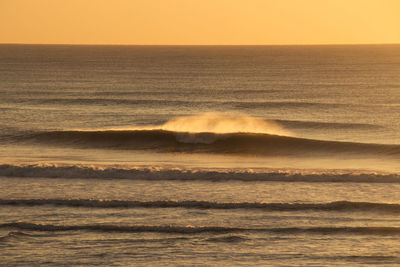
(220, 124)
(192, 204)
(84, 172)
(168, 229)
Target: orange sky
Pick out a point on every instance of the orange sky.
(201, 22)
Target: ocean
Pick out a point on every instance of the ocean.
(199, 155)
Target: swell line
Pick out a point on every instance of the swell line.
(92, 203)
(168, 229)
(207, 142)
(89, 172)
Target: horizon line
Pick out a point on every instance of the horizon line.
(116, 44)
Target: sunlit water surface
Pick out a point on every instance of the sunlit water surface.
(166, 156)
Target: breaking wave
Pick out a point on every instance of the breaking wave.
(219, 124)
(210, 133)
(92, 203)
(88, 172)
(207, 142)
(168, 229)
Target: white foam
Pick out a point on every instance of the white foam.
(213, 122)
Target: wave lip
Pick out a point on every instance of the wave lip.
(85, 172)
(120, 228)
(92, 203)
(168, 229)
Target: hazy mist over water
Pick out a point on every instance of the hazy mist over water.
(185, 155)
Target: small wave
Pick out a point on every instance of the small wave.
(168, 229)
(15, 235)
(88, 172)
(286, 104)
(227, 239)
(103, 101)
(370, 259)
(93, 203)
(119, 228)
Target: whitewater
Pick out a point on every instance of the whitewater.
(211, 156)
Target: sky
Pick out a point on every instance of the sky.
(200, 22)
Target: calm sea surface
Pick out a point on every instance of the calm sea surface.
(199, 156)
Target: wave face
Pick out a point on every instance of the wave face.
(212, 133)
(85, 172)
(227, 143)
(198, 230)
(91, 203)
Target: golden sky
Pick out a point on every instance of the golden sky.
(200, 22)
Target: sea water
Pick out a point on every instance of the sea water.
(193, 156)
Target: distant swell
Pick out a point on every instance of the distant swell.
(85, 172)
(198, 230)
(92, 203)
